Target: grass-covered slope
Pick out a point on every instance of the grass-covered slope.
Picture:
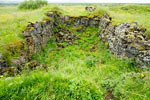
(85, 70)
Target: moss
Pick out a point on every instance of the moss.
(56, 10)
(131, 36)
(32, 64)
(13, 50)
(140, 38)
(29, 28)
(46, 19)
(137, 47)
(75, 29)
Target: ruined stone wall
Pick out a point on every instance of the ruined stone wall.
(126, 40)
(37, 35)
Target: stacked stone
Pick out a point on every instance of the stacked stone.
(36, 36)
(126, 40)
(73, 20)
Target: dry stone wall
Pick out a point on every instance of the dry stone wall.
(124, 40)
(39, 33)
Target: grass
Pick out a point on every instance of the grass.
(84, 70)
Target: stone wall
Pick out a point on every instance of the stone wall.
(126, 40)
(36, 35)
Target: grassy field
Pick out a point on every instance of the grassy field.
(83, 71)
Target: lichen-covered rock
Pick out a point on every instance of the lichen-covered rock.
(105, 21)
(94, 21)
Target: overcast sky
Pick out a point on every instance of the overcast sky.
(86, 1)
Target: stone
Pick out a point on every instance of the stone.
(3, 63)
(19, 61)
(90, 9)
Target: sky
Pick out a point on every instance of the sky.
(84, 1)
